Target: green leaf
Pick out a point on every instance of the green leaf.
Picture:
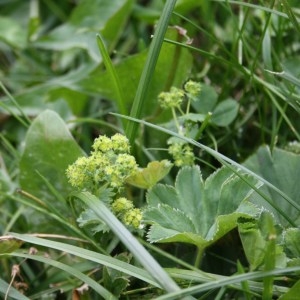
(225, 112)
(292, 293)
(195, 211)
(87, 19)
(292, 242)
(280, 168)
(193, 117)
(49, 149)
(89, 219)
(114, 280)
(9, 244)
(99, 289)
(206, 101)
(147, 177)
(12, 33)
(262, 242)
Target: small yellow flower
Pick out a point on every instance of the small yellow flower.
(102, 144)
(182, 154)
(120, 143)
(133, 218)
(192, 88)
(121, 205)
(171, 99)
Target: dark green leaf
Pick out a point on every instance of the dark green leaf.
(49, 149)
(225, 112)
(280, 168)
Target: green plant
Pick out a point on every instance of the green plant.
(199, 200)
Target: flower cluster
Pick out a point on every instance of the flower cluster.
(182, 154)
(110, 163)
(172, 99)
(192, 88)
(125, 210)
(175, 97)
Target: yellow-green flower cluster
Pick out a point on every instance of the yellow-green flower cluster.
(175, 97)
(110, 163)
(171, 99)
(182, 154)
(121, 205)
(125, 210)
(133, 218)
(192, 88)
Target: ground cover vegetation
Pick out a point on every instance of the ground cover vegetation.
(149, 149)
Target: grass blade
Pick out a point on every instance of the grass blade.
(113, 75)
(154, 50)
(89, 255)
(73, 271)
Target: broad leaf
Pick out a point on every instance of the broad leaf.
(282, 169)
(292, 293)
(292, 242)
(225, 112)
(195, 211)
(257, 237)
(87, 19)
(49, 149)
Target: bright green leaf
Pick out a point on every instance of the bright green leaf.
(147, 177)
(292, 293)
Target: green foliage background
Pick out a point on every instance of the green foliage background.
(226, 227)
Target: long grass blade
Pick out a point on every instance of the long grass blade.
(90, 255)
(72, 271)
(227, 281)
(144, 83)
(113, 75)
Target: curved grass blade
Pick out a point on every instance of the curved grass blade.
(113, 75)
(73, 271)
(90, 255)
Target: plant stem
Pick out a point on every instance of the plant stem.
(198, 260)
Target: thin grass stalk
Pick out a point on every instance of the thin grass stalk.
(147, 74)
(227, 282)
(113, 76)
